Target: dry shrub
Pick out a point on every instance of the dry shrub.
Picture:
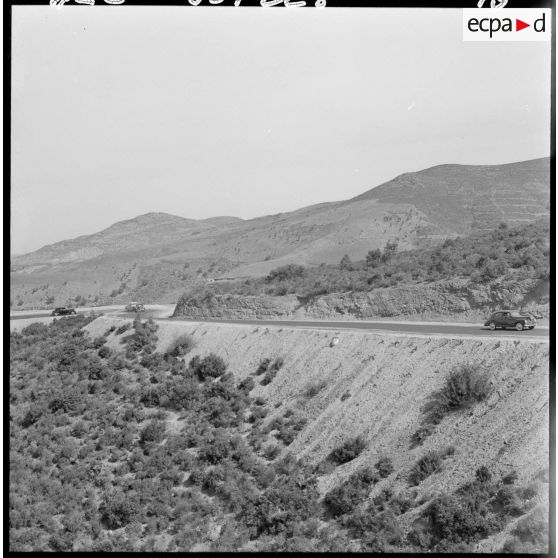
(181, 346)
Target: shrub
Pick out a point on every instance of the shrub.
(353, 491)
(424, 467)
(181, 346)
(508, 502)
(378, 531)
(464, 386)
(67, 401)
(285, 273)
(269, 377)
(348, 451)
(263, 366)
(482, 474)
(104, 352)
(212, 366)
(143, 339)
(421, 434)
(510, 478)
(98, 342)
(33, 414)
(153, 432)
(278, 363)
(271, 451)
(117, 511)
(247, 385)
(452, 523)
(384, 466)
(123, 328)
(313, 388)
(289, 427)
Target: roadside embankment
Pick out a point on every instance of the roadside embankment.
(453, 300)
(376, 385)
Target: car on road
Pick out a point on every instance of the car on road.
(63, 311)
(511, 319)
(135, 307)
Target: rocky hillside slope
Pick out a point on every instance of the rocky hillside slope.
(455, 300)
(156, 256)
(376, 386)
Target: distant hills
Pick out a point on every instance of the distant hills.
(155, 256)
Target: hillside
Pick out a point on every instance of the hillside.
(274, 439)
(157, 256)
(463, 279)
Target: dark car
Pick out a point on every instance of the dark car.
(63, 311)
(511, 319)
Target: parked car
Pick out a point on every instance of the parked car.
(63, 311)
(511, 319)
(134, 307)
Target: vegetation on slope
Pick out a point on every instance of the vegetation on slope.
(135, 450)
(510, 255)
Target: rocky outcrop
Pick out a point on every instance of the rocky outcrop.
(238, 307)
(454, 299)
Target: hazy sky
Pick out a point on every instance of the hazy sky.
(198, 112)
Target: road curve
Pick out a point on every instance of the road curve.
(424, 328)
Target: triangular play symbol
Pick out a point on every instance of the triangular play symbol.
(519, 25)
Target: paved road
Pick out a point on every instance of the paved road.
(425, 328)
(23, 316)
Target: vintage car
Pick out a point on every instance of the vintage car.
(511, 319)
(63, 311)
(135, 307)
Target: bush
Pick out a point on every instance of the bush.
(384, 466)
(510, 478)
(353, 491)
(285, 273)
(424, 467)
(313, 388)
(67, 401)
(32, 415)
(104, 352)
(117, 511)
(452, 523)
(465, 385)
(123, 328)
(247, 385)
(212, 366)
(181, 346)
(143, 339)
(263, 366)
(421, 434)
(348, 451)
(153, 432)
(269, 377)
(482, 474)
(270, 369)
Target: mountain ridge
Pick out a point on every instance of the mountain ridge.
(418, 209)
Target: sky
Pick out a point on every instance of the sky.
(119, 111)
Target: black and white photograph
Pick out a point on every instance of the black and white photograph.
(280, 277)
